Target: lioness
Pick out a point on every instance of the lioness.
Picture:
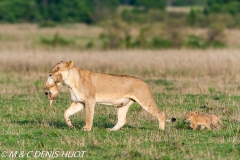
(214, 119)
(88, 88)
(198, 120)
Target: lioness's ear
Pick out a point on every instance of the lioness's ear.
(70, 64)
(197, 112)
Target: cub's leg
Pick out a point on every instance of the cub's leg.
(195, 126)
(216, 126)
(191, 125)
(202, 127)
(121, 112)
(208, 126)
(89, 115)
(74, 108)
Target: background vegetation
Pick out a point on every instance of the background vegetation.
(139, 24)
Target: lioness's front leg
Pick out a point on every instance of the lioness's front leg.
(74, 108)
(89, 115)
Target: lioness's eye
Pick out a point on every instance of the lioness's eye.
(50, 75)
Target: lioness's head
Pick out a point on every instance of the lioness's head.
(53, 79)
(189, 115)
(61, 67)
(55, 76)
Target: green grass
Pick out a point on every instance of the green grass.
(29, 124)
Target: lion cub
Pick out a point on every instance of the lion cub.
(215, 120)
(52, 93)
(198, 120)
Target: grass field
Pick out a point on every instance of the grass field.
(28, 124)
(181, 81)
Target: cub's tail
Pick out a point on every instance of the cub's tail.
(171, 120)
(219, 120)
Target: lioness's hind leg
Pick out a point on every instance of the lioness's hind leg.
(121, 112)
(154, 110)
(74, 108)
(147, 102)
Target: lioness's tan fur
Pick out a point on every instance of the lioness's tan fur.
(198, 120)
(215, 120)
(88, 88)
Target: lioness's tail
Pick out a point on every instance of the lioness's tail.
(171, 120)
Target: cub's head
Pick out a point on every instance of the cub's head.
(189, 115)
(52, 92)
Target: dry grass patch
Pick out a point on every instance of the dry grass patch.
(175, 71)
(28, 36)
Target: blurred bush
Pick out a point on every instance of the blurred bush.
(223, 6)
(146, 4)
(160, 43)
(113, 35)
(140, 16)
(57, 40)
(216, 35)
(195, 42)
(120, 35)
(186, 2)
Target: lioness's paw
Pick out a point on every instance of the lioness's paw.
(110, 129)
(70, 126)
(86, 128)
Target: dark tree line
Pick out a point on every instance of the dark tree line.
(90, 11)
(86, 11)
(53, 10)
(223, 6)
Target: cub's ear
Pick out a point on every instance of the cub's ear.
(196, 112)
(70, 64)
